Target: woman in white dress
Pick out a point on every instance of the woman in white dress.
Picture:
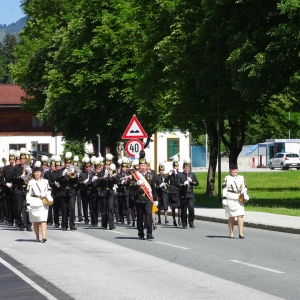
(233, 186)
(38, 212)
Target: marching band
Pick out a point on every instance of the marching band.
(132, 192)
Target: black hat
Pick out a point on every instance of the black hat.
(142, 159)
(233, 166)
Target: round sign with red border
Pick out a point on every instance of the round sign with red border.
(134, 147)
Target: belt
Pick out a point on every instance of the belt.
(35, 196)
(234, 192)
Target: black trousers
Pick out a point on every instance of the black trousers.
(117, 208)
(9, 209)
(107, 210)
(50, 214)
(187, 204)
(2, 215)
(21, 213)
(86, 204)
(141, 209)
(68, 207)
(122, 206)
(94, 209)
(79, 204)
(56, 206)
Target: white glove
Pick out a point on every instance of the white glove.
(106, 173)
(72, 170)
(122, 182)
(65, 172)
(94, 178)
(24, 177)
(28, 170)
(86, 181)
(57, 183)
(189, 179)
(244, 191)
(162, 184)
(155, 203)
(140, 182)
(8, 185)
(186, 183)
(115, 188)
(246, 197)
(170, 173)
(175, 171)
(224, 202)
(43, 195)
(29, 208)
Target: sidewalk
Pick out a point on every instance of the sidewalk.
(252, 219)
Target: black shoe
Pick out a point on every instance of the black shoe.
(86, 222)
(241, 236)
(56, 226)
(150, 237)
(64, 228)
(29, 228)
(112, 227)
(174, 223)
(95, 225)
(166, 222)
(184, 226)
(133, 224)
(80, 219)
(128, 222)
(159, 222)
(50, 223)
(141, 238)
(21, 228)
(73, 228)
(10, 224)
(44, 240)
(192, 225)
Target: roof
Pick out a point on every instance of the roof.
(10, 94)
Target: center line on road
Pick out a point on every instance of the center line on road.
(28, 280)
(171, 245)
(258, 267)
(113, 231)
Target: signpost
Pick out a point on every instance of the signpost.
(133, 133)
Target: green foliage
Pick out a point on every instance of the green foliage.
(76, 147)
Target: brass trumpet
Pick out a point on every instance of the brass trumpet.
(72, 171)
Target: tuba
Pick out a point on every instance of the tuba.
(72, 171)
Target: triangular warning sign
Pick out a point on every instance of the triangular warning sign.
(134, 130)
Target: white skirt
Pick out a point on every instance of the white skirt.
(38, 214)
(234, 208)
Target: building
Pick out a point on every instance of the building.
(19, 128)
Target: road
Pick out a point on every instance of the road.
(201, 263)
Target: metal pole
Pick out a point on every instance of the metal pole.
(219, 125)
(99, 150)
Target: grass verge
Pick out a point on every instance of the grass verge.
(271, 192)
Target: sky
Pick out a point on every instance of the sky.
(10, 11)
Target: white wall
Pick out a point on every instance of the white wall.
(292, 147)
(54, 143)
(161, 148)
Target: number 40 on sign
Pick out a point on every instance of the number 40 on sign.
(134, 147)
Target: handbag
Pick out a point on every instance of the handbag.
(47, 199)
(242, 198)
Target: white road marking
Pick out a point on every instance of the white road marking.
(29, 281)
(113, 231)
(258, 267)
(171, 245)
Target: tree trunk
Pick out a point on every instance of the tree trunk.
(213, 157)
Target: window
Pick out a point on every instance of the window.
(173, 147)
(43, 148)
(36, 122)
(16, 146)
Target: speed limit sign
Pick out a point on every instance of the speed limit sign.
(134, 147)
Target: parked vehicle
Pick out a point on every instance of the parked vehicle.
(285, 161)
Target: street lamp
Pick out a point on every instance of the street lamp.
(219, 116)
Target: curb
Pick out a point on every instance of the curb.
(249, 224)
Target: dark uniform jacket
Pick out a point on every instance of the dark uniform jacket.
(86, 189)
(172, 181)
(106, 184)
(20, 186)
(123, 188)
(161, 191)
(186, 191)
(67, 183)
(7, 173)
(141, 196)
